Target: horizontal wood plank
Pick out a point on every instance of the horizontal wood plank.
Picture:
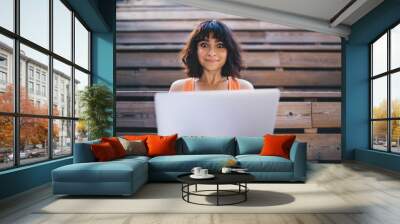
(259, 78)
(326, 114)
(295, 94)
(254, 37)
(251, 59)
(294, 115)
(188, 26)
(136, 114)
(142, 114)
(322, 146)
(245, 47)
(292, 78)
(194, 14)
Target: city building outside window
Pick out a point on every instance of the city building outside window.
(43, 90)
(30, 72)
(3, 78)
(3, 61)
(44, 77)
(30, 87)
(38, 89)
(3, 72)
(37, 74)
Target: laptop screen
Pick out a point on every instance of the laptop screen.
(217, 113)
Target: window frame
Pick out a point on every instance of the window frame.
(16, 114)
(388, 74)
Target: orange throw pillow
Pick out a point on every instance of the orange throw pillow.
(103, 151)
(135, 137)
(277, 145)
(161, 145)
(116, 145)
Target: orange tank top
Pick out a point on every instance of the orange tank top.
(233, 84)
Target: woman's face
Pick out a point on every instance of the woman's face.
(211, 53)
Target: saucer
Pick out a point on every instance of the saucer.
(240, 171)
(208, 176)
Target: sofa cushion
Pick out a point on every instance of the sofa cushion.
(161, 145)
(83, 152)
(197, 145)
(116, 145)
(138, 137)
(111, 171)
(134, 147)
(103, 151)
(135, 137)
(257, 163)
(249, 145)
(132, 158)
(277, 145)
(185, 163)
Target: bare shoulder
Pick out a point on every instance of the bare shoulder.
(178, 85)
(244, 84)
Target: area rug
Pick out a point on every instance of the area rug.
(167, 198)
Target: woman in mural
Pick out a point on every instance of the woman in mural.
(212, 60)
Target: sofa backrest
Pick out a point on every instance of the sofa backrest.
(83, 152)
(192, 145)
(249, 145)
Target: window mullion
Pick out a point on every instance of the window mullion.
(50, 81)
(371, 98)
(16, 85)
(389, 113)
(73, 82)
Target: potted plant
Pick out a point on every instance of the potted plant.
(96, 102)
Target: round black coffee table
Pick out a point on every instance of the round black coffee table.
(238, 179)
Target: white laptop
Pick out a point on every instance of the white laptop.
(217, 113)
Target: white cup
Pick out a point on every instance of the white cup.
(203, 172)
(226, 170)
(196, 170)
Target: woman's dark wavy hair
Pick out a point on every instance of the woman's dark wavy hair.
(221, 32)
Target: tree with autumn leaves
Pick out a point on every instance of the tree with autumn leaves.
(380, 127)
(33, 131)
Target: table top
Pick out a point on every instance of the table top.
(220, 178)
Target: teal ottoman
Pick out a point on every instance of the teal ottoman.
(118, 177)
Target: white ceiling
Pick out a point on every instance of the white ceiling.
(323, 16)
(321, 9)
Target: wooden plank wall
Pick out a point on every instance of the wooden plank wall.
(305, 65)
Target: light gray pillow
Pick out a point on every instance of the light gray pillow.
(134, 147)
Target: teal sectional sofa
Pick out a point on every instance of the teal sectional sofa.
(125, 176)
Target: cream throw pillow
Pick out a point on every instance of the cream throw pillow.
(135, 147)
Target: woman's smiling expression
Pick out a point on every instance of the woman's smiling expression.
(211, 53)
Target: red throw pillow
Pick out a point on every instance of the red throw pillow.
(277, 145)
(161, 145)
(116, 145)
(103, 151)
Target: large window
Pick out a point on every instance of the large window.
(385, 91)
(44, 64)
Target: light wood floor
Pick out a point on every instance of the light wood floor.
(378, 188)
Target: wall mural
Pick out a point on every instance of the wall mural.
(304, 65)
